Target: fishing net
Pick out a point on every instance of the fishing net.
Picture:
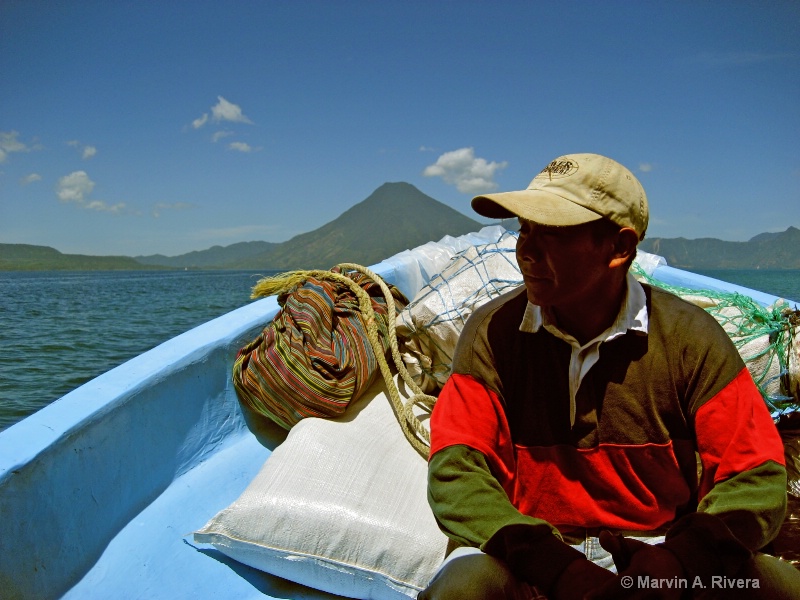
(767, 339)
(431, 324)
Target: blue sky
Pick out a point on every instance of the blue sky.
(147, 127)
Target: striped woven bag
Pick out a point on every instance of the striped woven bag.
(314, 358)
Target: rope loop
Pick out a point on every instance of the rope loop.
(416, 433)
(413, 428)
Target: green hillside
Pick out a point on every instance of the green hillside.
(764, 251)
(26, 257)
(214, 257)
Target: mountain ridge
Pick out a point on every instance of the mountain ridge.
(29, 257)
(395, 217)
(216, 255)
(772, 250)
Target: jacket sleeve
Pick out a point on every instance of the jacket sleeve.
(742, 495)
(470, 480)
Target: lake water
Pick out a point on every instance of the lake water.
(782, 283)
(61, 329)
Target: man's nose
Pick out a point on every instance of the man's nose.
(529, 247)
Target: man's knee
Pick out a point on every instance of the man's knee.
(775, 579)
(474, 577)
(764, 577)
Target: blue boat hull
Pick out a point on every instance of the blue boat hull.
(101, 490)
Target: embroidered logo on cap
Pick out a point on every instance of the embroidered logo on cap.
(559, 168)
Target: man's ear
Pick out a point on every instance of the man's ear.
(624, 247)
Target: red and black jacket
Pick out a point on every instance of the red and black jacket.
(507, 472)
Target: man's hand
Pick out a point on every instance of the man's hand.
(579, 578)
(637, 562)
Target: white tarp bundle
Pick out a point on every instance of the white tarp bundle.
(432, 322)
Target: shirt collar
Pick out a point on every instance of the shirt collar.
(632, 316)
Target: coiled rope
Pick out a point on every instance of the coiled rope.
(413, 428)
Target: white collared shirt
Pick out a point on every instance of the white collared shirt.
(632, 316)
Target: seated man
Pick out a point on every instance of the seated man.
(566, 438)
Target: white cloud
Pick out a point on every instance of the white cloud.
(10, 144)
(87, 152)
(223, 110)
(470, 175)
(218, 135)
(76, 187)
(199, 122)
(227, 111)
(30, 178)
(241, 147)
(645, 167)
(103, 207)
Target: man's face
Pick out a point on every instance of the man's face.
(561, 266)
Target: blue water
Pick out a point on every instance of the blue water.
(61, 329)
(785, 284)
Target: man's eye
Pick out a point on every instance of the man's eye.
(553, 232)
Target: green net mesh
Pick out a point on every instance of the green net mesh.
(764, 336)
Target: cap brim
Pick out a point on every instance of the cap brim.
(533, 205)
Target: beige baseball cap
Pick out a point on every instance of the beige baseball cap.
(571, 190)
